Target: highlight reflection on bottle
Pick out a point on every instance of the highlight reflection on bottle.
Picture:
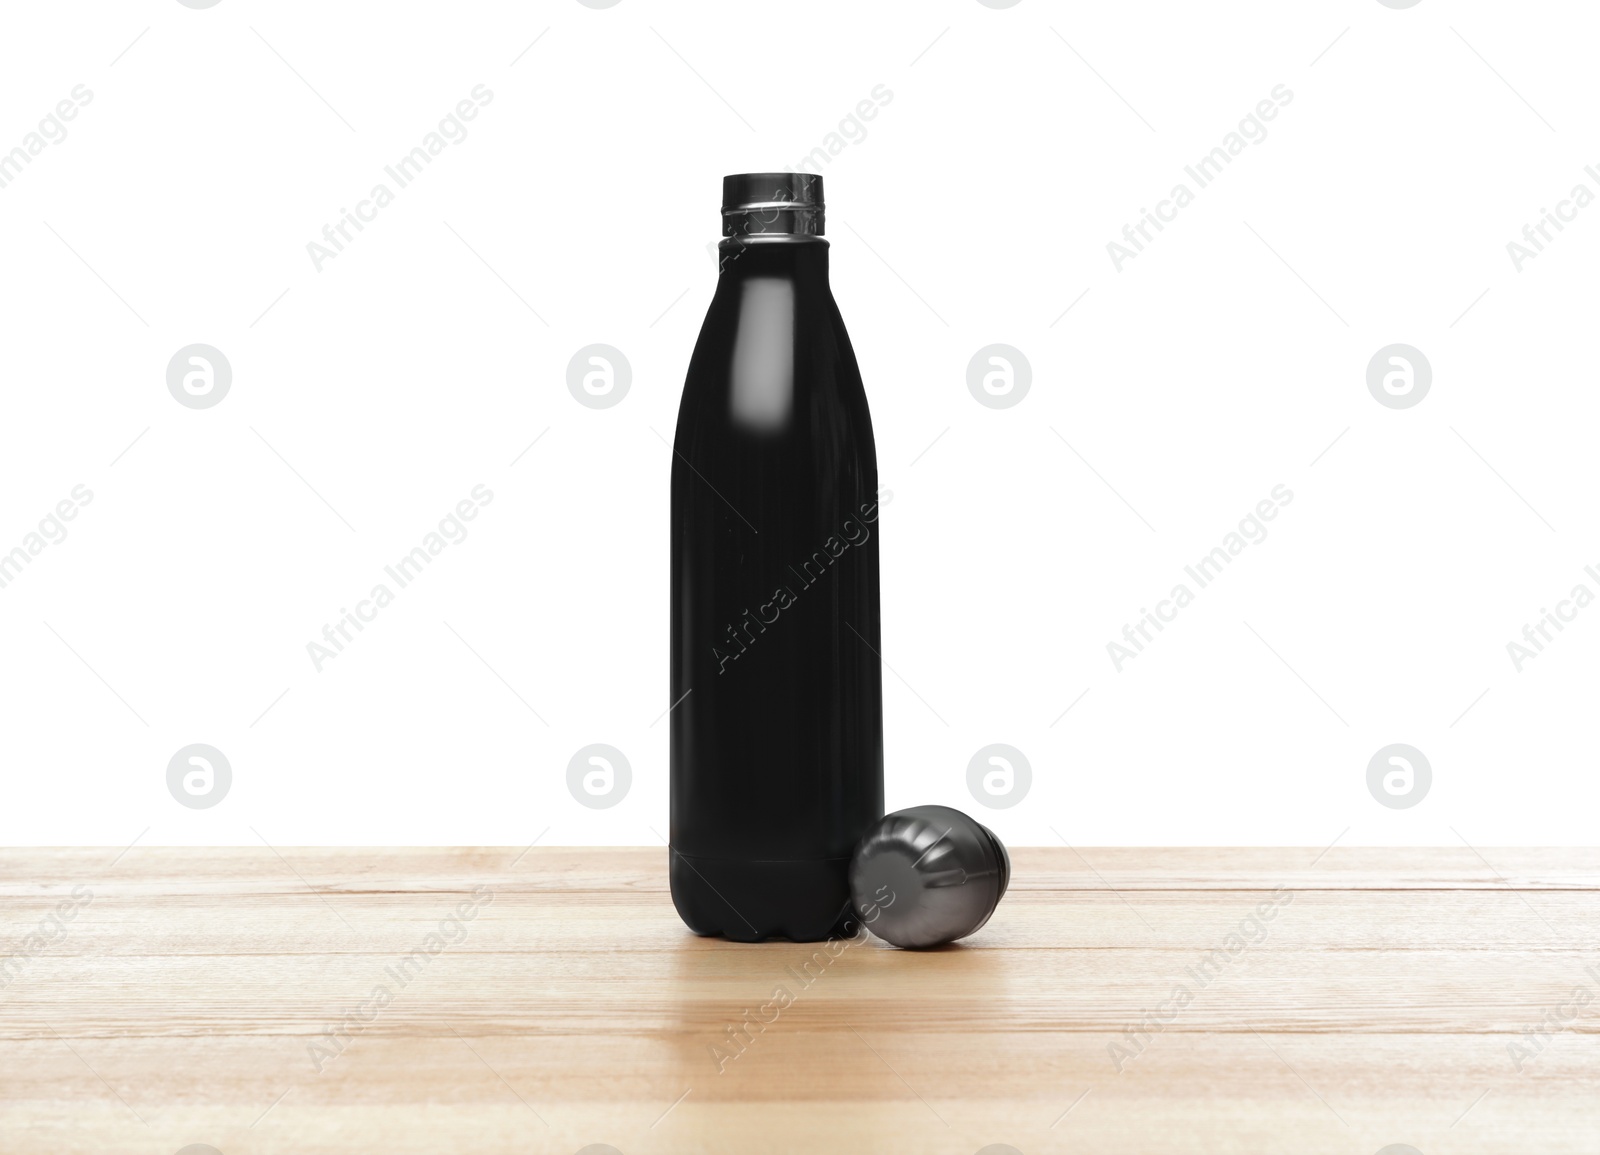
(777, 734)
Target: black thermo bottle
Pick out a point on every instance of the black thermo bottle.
(777, 731)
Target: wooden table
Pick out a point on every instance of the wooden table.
(263, 1001)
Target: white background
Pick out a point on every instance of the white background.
(371, 396)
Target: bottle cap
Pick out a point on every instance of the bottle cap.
(772, 204)
(927, 875)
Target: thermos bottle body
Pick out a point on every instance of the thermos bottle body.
(777, 727)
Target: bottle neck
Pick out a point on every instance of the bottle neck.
(800, 259)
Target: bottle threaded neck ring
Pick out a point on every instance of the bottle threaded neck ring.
(772, 204)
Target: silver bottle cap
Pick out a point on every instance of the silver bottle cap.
(927, 875)
(771, 205)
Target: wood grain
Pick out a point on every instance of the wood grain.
(260, 1001)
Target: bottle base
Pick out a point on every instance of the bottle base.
(802, 900)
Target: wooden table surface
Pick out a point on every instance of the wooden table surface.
(490, 1000)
